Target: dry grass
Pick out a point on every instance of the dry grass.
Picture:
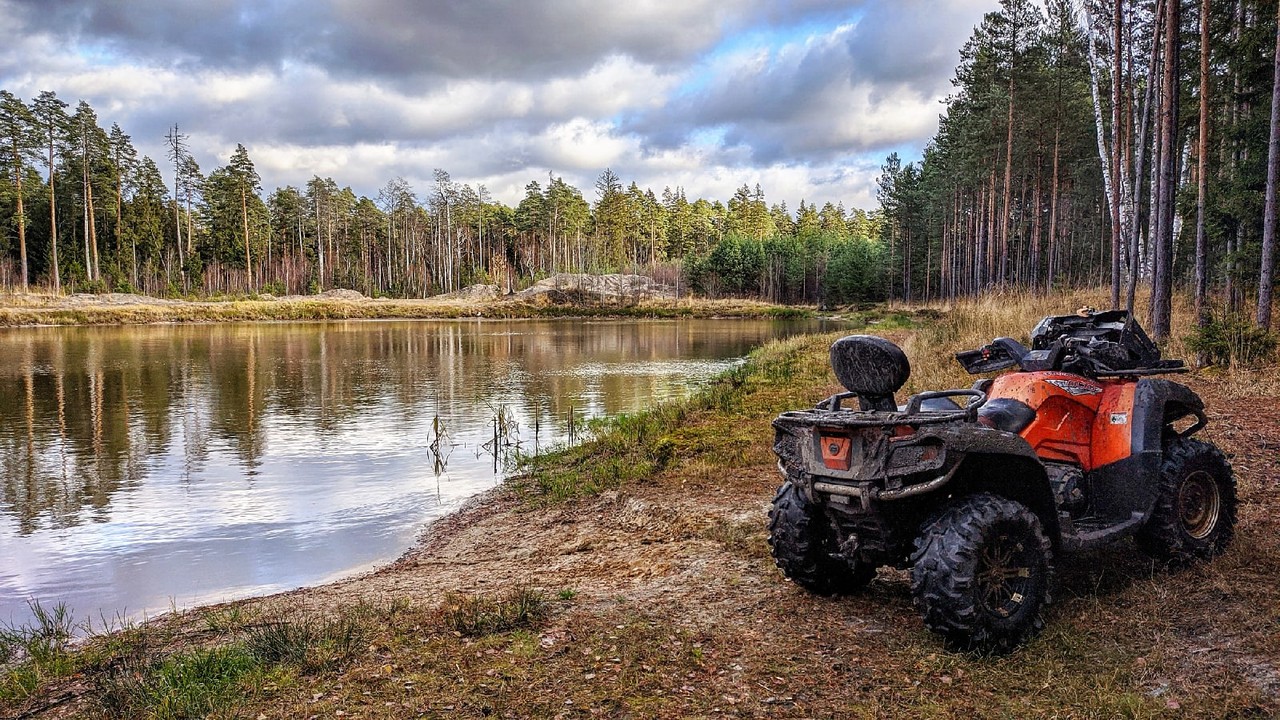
(27, 310)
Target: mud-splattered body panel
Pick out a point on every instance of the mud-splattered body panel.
(1078, 420)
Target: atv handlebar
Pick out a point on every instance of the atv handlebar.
(1097, 345)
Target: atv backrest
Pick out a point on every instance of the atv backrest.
(870, 367)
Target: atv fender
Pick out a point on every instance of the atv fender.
(1128, 486)
(1002, 463)
(1158, 403)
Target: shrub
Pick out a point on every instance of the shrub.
(1232, 339)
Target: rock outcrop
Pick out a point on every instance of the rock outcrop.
(471, 293)
(570, 288)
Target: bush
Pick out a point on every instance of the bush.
(1232, 339)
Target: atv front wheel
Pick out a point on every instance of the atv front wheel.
(804, 547)
(981, 573)
(1195, 513)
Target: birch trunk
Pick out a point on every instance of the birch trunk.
(1103, 154)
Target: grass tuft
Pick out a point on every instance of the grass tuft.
(34, 653)
(477, 616)
(311, 645)
(190, 684)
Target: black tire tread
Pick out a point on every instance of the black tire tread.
(1163, 536)
(801, 549)
(943, 573)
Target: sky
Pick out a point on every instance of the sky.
(803, 97)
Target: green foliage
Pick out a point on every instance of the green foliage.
(31, 654)
(1232, 339)
(188, 684)
(855, 272)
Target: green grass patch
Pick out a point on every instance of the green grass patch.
(190, 684)
(311, 645)
(34, 653)
(206, 669)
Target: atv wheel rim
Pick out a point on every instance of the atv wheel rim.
(1004, 575)
(1199, 504)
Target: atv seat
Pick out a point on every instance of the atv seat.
(871, 368)
(1007, 414)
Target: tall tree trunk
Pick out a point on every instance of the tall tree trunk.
(1008, 171)
(319, 250)
(244, 219)
(1104, 155)
(1266, 274)
(1231, 288)
(1162, 284)
(53, 228)
(1053, 207)
(1202, 177)
(1139, 172)
(1116, 151)
(22, 216)
(989, 237)
(84, 207)
(93, 227)
(1032, 276)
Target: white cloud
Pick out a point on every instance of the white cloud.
(643, 90)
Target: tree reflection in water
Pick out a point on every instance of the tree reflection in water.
(266, 455)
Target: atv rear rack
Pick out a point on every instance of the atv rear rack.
(830, 411)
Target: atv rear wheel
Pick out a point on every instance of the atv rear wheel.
(804, 547)
(1195, 513)
(981, 573)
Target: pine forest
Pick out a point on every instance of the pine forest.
(1132, 145)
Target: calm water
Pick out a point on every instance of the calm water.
(165, 466)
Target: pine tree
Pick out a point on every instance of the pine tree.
(247, 184)
(51, 116)
(18, 135)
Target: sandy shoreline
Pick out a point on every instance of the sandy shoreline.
(127, 309)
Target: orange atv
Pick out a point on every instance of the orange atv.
(977, 490)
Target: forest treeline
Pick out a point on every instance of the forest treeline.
(1109, 142)
(82, 211)
(1086, 142)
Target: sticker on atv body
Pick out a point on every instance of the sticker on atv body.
(1076, 387)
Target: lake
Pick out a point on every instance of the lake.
(165, 466)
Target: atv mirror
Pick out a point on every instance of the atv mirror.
(871, 367)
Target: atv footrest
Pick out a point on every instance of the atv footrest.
(1088, 535)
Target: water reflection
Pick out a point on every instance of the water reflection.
(174, 464)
